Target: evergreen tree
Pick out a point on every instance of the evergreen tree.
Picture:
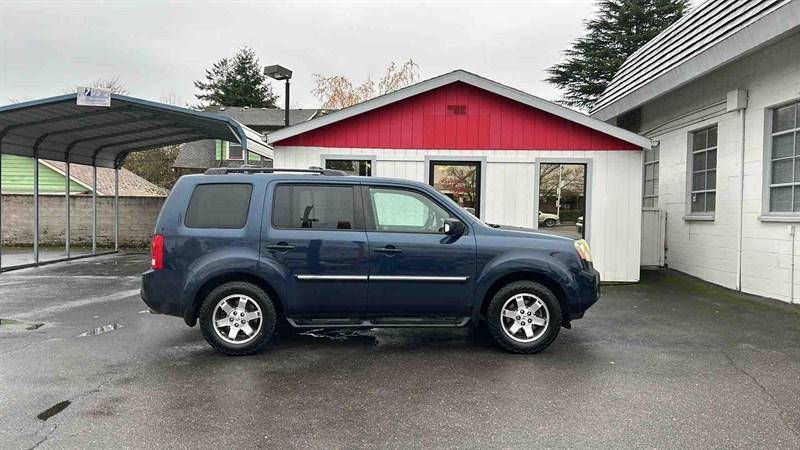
(237, 81)
(618, 30)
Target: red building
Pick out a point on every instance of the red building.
(493, 149)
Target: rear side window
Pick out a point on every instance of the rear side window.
(314, 206)
(219, 206)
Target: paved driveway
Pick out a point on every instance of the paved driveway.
(668, 362)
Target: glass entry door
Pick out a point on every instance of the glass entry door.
(562, 199)
(459, 180)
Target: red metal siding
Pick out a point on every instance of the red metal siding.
(491, 122)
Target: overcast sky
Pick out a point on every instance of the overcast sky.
(158, 48)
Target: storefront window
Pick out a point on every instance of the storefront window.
(461, 181)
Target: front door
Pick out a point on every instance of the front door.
(416, 269)
(316, 238)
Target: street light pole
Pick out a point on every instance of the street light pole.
(278, 72)
(286, 113)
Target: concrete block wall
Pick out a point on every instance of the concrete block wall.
(709, 250)
(137, 220)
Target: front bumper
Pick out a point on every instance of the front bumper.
(589, 285)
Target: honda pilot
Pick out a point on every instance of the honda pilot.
(242, 250)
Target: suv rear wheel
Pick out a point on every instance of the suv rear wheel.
(237, 318)
(524, 317)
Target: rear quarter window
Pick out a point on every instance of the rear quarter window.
(219, 206)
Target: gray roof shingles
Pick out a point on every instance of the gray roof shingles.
(202, 154)
(130, 184)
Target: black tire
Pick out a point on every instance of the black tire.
(550, 222)
(265, 332)
(495, 322)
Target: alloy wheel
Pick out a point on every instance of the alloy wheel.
(524, 317)
(237, 319)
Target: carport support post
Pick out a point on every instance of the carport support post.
(36, 208)
(94, 209)
(66, 208)
(116, 209)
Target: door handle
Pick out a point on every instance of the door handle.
(280, 246)
(389, 250)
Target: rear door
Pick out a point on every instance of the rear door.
(416, 269)
(315, 237)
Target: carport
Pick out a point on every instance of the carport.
(60, 129)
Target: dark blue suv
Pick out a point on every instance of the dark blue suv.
(244, 249)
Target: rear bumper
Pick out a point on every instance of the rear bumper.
(159, 293)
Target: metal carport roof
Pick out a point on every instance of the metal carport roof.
(57, 128)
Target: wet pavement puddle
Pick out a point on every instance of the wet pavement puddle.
(101, 330)
(53, 410)
(18, 325)
(341, 335)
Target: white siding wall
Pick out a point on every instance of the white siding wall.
(709, 250)
(509, 183)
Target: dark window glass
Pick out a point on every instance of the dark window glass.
(316, 207)
(235, 151)
(219, 206)
(362, 167)
(784, 118)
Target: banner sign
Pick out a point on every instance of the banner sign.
(92, 96)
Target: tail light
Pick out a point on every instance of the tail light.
(584, 252)
(157, 252)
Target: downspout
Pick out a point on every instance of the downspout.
(737, 100)
(740, 225)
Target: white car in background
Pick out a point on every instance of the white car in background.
(548, 220)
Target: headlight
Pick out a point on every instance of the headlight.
(584, 252)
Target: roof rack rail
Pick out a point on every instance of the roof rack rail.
(252, 170)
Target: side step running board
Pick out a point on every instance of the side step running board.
(387, 322)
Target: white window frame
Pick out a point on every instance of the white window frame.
(371, 158)
(656, 149)
(767, 214)
(700, 215)
(228, 152)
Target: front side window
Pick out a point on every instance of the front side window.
(314, 206)
(703, 163)
(219, 206)
(784, 183)
(650, 189)
(398, 210)
(361, 167)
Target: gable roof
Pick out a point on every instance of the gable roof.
(130, 184)
(264, 117)
(713, 34)
(471, 79)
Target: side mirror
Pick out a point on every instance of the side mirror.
(454, 227)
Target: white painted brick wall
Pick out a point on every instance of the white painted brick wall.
(708, 250)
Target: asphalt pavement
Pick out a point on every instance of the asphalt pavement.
(669, 362)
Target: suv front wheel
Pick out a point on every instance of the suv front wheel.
(524, 317)
(237, 318)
